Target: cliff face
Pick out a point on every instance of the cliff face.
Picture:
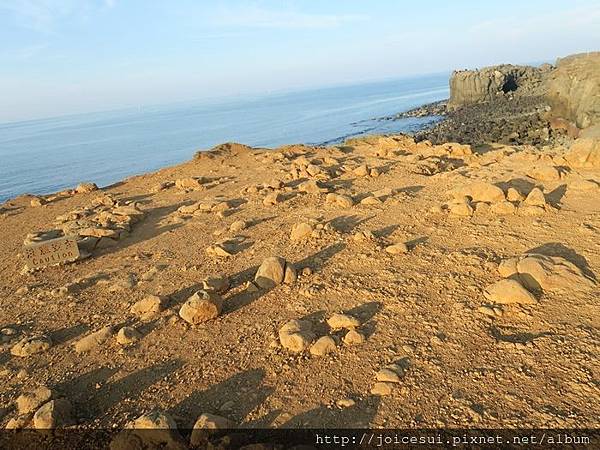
(488, 84)
(574, 89)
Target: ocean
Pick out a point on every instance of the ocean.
(48, 155)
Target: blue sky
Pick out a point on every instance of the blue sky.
(65, 56)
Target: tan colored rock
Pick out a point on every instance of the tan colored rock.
(31, 399)
(382, 389)
(190, 183)
(300, 231)
(361, 171)
(343, 201)
(583, 185)
(216, 284)
(387, 376)
(296, 335)
(238, 226)
(503, 208)
(480, 191)
(513, 195)
(37, 201)
(148, 307)
(371, 201)
(207, 421)
(340, 321)
(291, 275)
(535, 198)
(54, 414)
(155, 420)
(552, 273)
(461, 209)
(85, 188)
(584, 153)
(397, 249)
(200, 307)
(128, 335)
(153, 430)
(31, 345)
(323, 346)
(93, 340)
(544, 173)
(353, 337)
(272, 199)
(271, 272)
(508, 267)
(312, 187)
(509, 291)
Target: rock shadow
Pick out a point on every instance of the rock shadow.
(516, 338)
(360, 415)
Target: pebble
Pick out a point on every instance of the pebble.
(345, 403)
(381, 388)
(388, 376)
(397, 249)
(128, 335)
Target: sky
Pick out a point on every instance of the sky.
(67, 56)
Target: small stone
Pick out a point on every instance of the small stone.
(382, 389)
(93, 340)
(200, 307)
(300, 231)
(361, 171)
(32, 399)
(296, 335)
(31, 345)
(397, 249)
(291, 275)
(206, 421)
(323, 346)
(509, 291)
(272, 199)
(388, 376)
(128, 335)
(340, 321)
(85, 188)
(148, 307)
(353, 337)
(54, 414)
(345, 403)
(271, 272)
(238, 226)
(37, 201)
(369, 201)
(216, 284)
(513, 195)
(343, 201)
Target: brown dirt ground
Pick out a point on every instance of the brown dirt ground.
(533, 366)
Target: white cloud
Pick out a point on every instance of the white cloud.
(256, 17)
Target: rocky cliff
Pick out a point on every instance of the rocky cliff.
(490, 83)
(574, 89)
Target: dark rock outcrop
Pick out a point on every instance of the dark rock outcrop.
(574, 89)
(469, 87)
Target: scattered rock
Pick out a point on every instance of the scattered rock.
(382, 389)
(32, 399)
(343, 201)
(361, 171)
(387, 376)
(54, 414)
(85, 188)
(345, 403)
(148, 307)
(509, 291)
(480, 191)
(274, 271)
(397, 249)
(535, 198)
(551, 273)
(353, 337)
(513, 195)
(340, 321)
(200, 307)
(461, 209)
(272, 199)
(31, 345)
(300, 231)
(190, 183)
(296, 335)
(544, 173)
(206, 421)
(503, 208)
(219, 285)
(323, 346)
(238, 226)
(93, 340)
(128, 335)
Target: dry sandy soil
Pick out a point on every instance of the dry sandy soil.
(468, 352)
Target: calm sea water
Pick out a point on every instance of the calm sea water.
(43, 156)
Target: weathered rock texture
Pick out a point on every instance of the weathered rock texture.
(574, 89)
(487, 84)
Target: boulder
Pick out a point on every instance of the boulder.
(574, 89)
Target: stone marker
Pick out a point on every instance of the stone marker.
(50, 252)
